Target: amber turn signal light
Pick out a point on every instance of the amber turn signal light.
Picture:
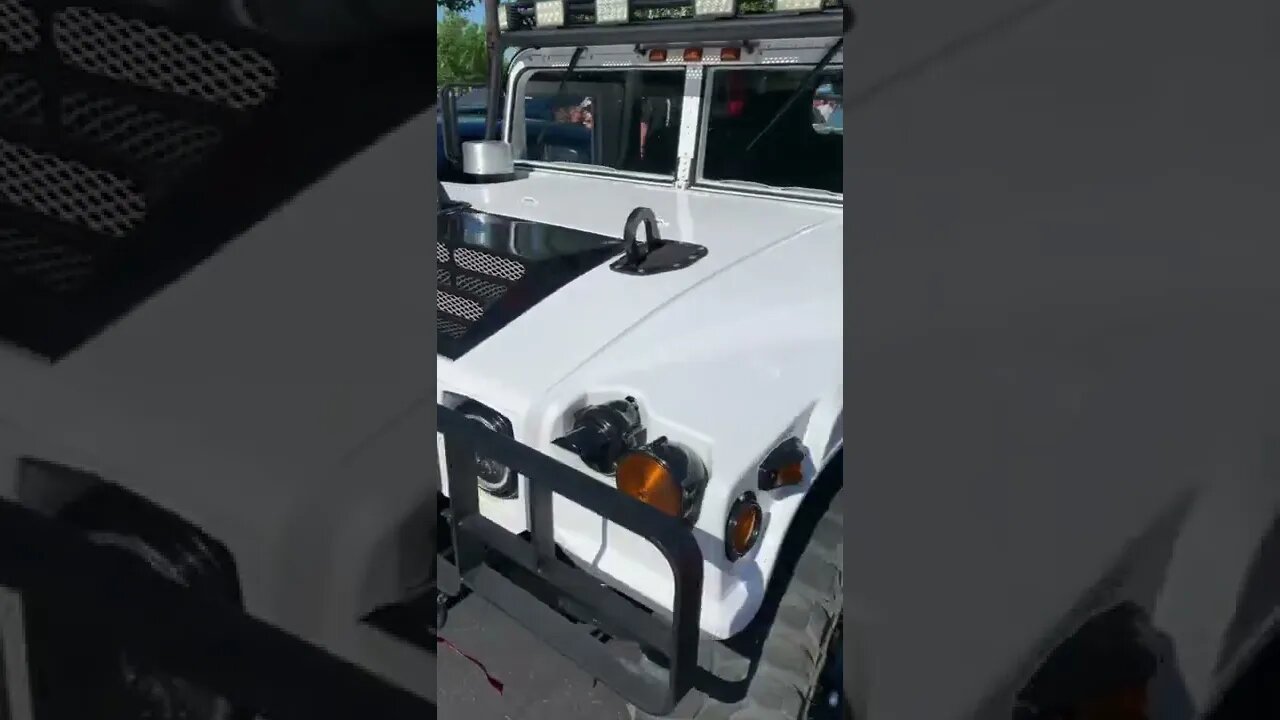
(646, 479)
(662, 475)
(742, 529)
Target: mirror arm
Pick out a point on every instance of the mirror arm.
(495, 69)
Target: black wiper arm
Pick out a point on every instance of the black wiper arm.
(573, 64)
(807, 86)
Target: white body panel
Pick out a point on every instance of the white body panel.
(729, 356)
(260, 401)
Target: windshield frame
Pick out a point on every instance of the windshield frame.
(785, 54)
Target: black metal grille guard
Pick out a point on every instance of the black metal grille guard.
(474, 537)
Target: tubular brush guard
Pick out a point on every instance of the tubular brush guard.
(476, 541)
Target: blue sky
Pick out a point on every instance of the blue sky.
(474, 14)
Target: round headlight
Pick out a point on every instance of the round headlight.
(492, 476)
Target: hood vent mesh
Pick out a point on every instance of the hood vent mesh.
(469, 282)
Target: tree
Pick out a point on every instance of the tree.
(461, 55)
(457, 6)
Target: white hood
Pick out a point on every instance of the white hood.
(578, 322)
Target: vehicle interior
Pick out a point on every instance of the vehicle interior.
(635, 118)
(793, 153)
(620, 101)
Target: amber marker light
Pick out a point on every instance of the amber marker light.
(742, 529)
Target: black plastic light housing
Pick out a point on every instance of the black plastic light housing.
(602, 433)
(493, 477)
(779, 463)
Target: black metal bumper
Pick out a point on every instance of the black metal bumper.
(533, 585)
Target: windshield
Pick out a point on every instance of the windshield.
(627, 120)
(804, 148)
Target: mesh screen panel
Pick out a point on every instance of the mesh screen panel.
(102, 124)
(137, 139)
(468, 282)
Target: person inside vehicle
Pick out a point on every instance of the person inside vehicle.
(579, 113)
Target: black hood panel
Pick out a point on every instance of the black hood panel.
(491, 269)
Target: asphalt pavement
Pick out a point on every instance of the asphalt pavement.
(538, 683)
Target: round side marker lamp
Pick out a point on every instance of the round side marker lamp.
(492, 476)
(742, 529)
(664, 476)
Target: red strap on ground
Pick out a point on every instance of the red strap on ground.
(494, 682)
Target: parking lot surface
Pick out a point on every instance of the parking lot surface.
(538, 683)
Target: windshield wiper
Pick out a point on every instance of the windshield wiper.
(582, 165)
(782, 188)
(564, 81)
(807, 86)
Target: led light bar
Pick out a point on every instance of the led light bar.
(798, 5)
(715, 8)
(549, 13)
(612, 12)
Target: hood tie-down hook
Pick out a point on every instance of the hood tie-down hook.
(653, 255)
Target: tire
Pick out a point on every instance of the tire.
(792, 636)
(114, 684)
